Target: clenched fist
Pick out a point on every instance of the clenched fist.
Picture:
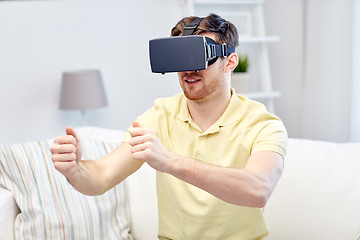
(66, 153)
(147, 147)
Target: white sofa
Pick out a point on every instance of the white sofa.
(318, 196)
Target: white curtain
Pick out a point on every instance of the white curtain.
(355, 100)
(328, 70)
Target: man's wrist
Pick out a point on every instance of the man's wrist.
(174, 166)
(181, 167)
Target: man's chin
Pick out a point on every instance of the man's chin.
(193, 96)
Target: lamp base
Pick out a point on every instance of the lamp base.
(83, 117)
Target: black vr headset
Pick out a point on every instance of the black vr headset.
(185, 53)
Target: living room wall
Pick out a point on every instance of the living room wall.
(312, 66)
(41, 39)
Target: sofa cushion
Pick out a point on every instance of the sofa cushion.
(50, 208)
(319, 193)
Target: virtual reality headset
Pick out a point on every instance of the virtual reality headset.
(185, 53)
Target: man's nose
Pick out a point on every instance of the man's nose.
(191, 72)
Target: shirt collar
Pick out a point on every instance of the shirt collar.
(231, 114)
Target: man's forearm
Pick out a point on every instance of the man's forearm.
(89, 179)
(243, 187)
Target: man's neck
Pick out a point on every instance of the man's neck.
(205, 113)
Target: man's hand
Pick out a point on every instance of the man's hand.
(67, 152)
(147, 147)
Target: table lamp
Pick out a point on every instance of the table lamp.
(82, 90)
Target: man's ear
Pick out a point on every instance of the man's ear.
(231, 62)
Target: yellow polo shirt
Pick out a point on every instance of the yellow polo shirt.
(187, 212)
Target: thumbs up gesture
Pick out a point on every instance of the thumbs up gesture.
(67, 152)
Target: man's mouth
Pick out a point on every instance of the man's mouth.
(192, 80)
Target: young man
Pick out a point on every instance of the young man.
(218, 155)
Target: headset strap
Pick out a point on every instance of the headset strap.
(190, 28)
(222, 50)
(215, 50)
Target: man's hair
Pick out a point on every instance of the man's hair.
(225, 31)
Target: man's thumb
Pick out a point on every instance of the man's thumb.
(136, 124)
(71, 131)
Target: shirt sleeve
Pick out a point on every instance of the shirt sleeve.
(272, 137)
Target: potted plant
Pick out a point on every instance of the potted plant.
(243, 64)
(240, 76)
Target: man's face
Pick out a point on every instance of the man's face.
(205, 83)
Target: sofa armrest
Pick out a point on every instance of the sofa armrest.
(8, 212)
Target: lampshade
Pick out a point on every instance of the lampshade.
(82, 90)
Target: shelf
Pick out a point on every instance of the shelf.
(258, 39)
(249, 14)
(261, 95)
